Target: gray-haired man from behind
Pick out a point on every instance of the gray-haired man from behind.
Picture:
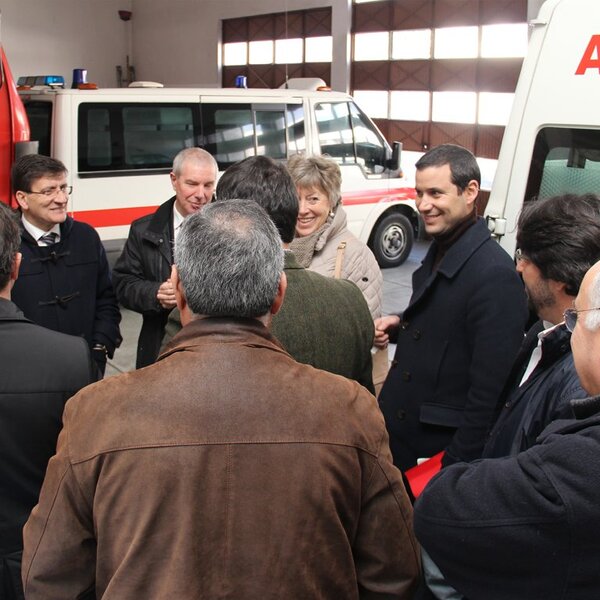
(261, 476)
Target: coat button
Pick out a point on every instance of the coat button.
(404, 325)
(405, 375)
(416, 334)
(401, 414)
(393, 364)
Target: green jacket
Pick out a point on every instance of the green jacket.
(323, 322)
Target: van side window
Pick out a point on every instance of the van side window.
(39, 115)
(564, 161)
(232, 132)
(349, 137)
(131, 136)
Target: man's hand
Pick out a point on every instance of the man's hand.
(382, 326)
(166, 295)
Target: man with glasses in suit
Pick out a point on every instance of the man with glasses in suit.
(64, 283)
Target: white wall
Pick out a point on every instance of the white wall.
(56, 36)
(177, 42)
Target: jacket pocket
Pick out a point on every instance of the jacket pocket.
(440, 414)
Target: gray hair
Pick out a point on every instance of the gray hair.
(10, 240)
(592, 317)
(198, 155)
(229, 259)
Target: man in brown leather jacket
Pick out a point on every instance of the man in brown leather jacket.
(226, 469)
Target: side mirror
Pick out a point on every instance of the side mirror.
(393, 163)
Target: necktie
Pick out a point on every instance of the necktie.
(48, 238)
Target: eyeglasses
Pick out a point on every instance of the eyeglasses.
(570, 316)
(519, 255)
(53, 192)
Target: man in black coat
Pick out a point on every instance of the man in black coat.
(142, 273)
(458, 337)
(527, 526)
(64, 283)
(543, 379)
(39, 370)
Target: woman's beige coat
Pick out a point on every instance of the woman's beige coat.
(359, 264)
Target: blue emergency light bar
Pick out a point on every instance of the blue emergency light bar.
(48, 80)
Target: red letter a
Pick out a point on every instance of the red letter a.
(587, 62)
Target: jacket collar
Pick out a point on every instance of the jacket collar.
(161, 224)
(9, 311)
(65, 231)
(218, 330)
(586, 407)
(460, 252)
(290, 261)
(454, 259)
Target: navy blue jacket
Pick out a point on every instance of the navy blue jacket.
(67, 286)
(525, 411)
(456, 342)
(522, 527)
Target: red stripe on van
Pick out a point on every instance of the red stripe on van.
(374, 196)
(112, 217)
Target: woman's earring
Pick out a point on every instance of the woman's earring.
(331, 213)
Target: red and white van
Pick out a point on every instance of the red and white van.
(119, 144)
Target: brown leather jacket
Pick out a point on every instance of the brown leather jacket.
(225, 470)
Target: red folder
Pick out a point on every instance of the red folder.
(418, 476)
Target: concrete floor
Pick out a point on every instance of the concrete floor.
(396, 294)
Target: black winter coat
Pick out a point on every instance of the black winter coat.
(523, 527)
(67, 286)
(143, 266)
(456, 342)
(39, 371)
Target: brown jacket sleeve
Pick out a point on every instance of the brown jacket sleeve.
(386, 552)
(59, 556)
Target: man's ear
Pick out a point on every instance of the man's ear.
(14, 272)
(471, 192)
(173, 178)
(281, 288)
(22, 200)
(180, 297)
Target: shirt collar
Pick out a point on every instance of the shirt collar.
(178, 218)
(36, 233)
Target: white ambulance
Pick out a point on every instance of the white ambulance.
(551, 144)
(119, 144)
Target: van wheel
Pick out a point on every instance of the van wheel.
(392, 240)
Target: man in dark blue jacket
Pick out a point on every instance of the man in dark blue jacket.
(64, 283)
(39, 371)
(527, 526)
(461, 331)
(543, 379)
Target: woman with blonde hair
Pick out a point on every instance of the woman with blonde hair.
(323, 242)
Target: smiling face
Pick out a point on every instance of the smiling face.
(441, 204)
(314, 210)
(194, 186)
(45, 211)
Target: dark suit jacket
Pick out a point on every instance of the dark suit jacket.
(323, 322)
(143, 266)
(456, 342)
(40, 370)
